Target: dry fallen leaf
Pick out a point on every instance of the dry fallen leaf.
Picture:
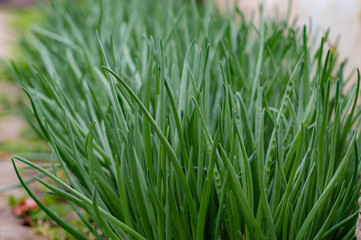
(24, 206)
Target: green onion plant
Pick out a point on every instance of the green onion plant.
(173, 121)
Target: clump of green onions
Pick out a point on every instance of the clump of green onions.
(172, 121)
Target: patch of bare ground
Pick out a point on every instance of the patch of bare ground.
(10, 226)
(11, 126)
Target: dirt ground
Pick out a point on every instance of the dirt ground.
(11, 126)
(10, 227)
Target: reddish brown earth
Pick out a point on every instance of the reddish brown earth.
(10, 226)
(11, 126)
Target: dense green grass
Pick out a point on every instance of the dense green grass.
(173, 122)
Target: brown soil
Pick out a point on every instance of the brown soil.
(11, 126)
(10, 227)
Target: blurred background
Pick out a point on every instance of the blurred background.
(16, 136)
(343, 17)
